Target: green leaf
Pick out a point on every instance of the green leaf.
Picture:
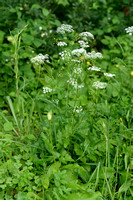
(53, 168)
(12, 109)
(78, 150)
(45, 181)
(124, 187)
(105, 41)
(84, 196)
(83, 174)
(70, 176)
(8, 126)
(62, 2)
(106, 172)
(45, 12)
(57, 23)
(116, 20)
(28, 39)
(47, 143)
(37, 42)
(84, 100)
(1, 36)
(36, 6)
(65, 157)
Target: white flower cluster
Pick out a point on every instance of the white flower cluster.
(83, 44)
(77, 70)
(129, 30)
(65, 28)
(65, 55)
(61, 44)
(94, 55)
(40, 59)
(46, 33)
(86, 35)
(46, 90)
(78, 109)
(79, 52)
(76, 61)
(74, 83)
(93, 68)
(99, 85)
(109, 75)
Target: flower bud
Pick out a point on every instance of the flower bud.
(49, 115)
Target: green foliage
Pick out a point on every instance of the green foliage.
(62, 137)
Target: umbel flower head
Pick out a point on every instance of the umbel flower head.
(99, 85)
(65, 55)
(129, 30)
(40, 59)
(93, 68)
(65, 28)
(46, 90)
(77, 70)
(61, 44)
(74, 83)
(79, 52)
(86, 35)
(109, 75)
(94, 55)
(83, 44)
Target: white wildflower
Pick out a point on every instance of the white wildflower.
(79, 52)
(93, 68)
(86, 35)
(80, 86)
(77, 70)
(46, 90)
(76, 61)
(99, 85)
(40, 59)
(109, 75)
(129, 30)
(74, 83)
(61, 44)
(65, 55)
(65, 28)
(44, 34)
(83, 44)
(40, 28)
(94, 55)
(78, 109)
(50, 31)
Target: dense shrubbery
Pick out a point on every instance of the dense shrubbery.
(66, 100)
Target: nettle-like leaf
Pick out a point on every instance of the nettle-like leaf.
(45, 181)
(124, 187)
(84, 196)
(53, 169)
(45, 12)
